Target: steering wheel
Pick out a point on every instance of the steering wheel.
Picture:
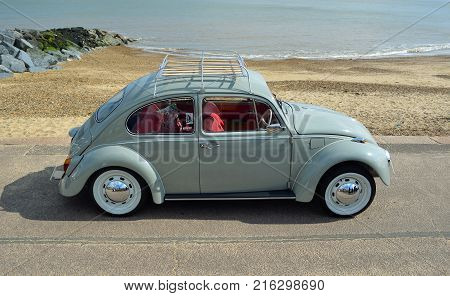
(266, 118)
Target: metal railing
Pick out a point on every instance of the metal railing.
(190, 63)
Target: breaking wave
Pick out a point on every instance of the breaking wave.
(419, 50)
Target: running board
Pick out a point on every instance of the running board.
(279, 194)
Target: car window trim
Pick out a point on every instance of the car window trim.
(187, 97)
(255, 132)
(119, 102)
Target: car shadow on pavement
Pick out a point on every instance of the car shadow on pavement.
(35, 197)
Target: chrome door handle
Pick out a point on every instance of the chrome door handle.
(208, 146)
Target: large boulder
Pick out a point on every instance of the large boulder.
(9, 47)
(23, 56)
(6, 38)
(5, 75)
(37, 69)
(79, 37)
(3, 49)
(31, 37)
(90, 38)
(73, 54)
(41, 59)
(23, 44)
(58, 55)
(110, 40)
(22, 49)
(124, 39)
(51, 40)
(76, 37)
(3, 69)
(12, 63)
(54, 67)
(12, 33)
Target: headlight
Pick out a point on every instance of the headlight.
(359, 140)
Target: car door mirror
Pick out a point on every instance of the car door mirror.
(274, 128)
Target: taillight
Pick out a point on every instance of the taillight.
(66, 163)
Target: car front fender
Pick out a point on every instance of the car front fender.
(369, 154)
(112, 156)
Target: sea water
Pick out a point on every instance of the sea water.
(255, 28)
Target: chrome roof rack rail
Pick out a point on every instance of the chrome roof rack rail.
(189, 63)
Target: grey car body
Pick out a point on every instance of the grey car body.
(307, 142)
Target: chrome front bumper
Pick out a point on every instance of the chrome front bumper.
(391, 165)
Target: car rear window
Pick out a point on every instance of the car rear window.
(107, 108)
(169, 116)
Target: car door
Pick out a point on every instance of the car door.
(165, 133)
(237, 153)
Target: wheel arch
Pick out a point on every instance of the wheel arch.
(95, 174)
(361, 164)
(369, 156)
(115, 156)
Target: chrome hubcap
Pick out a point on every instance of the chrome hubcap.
(346, 191)
(117, 191)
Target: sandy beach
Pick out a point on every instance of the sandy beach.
(401, 96)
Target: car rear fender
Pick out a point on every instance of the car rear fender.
(371, 155)
(113, 156)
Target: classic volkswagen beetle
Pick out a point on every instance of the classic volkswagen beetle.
(205, 127)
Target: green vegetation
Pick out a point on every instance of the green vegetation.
(51, 41)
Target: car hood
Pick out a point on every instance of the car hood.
(312, 120)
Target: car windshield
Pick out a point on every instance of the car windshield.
(279, 102)
(107, 108)
(285, 107)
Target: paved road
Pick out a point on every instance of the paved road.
(404, 232)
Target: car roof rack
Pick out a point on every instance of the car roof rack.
(189, 63)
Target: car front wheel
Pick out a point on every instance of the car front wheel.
(347, 190)
(117, 192)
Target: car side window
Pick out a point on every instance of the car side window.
(234, 114)
(266, 116)
(170, 116)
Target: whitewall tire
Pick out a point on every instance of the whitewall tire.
(347, 190)
(117, 192)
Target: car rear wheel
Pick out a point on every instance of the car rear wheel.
(347, 190)
(117, 192)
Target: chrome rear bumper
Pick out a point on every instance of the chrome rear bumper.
(58, 173)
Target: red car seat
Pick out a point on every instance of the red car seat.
(149, 120)
(211, 118)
